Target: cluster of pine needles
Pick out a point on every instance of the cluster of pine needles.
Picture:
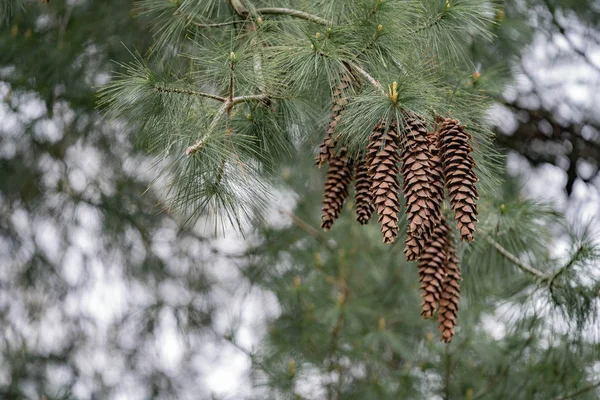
(434, 163)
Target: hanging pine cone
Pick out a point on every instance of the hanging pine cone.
(450, 295)
(339, 176)
(383, 159)
(432, 263)
(422, 204)
(327, 147)
(363, 195)
(437, 171)
(459, 175)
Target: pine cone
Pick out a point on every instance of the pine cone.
(422, 204)
(363, 195)
(383, 159)
(437, 171)
(450, 295)
(432, 268)
(327, 147)
(459, 175)
(339, 176)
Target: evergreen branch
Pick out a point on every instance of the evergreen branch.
(198, 145)
(367, 76)
(226, 107)
(447, 375)
(251, 356)
(164, 89)
(294, 13)
(242, 99)
(429, 25)
(239, 7)
(214, 25)
(339, 323)
(201, 25)
(567, 266)
(495, 381)
(580, 392)
(304, 225)
(512, 258)
(241, 10)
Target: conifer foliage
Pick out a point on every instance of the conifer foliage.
(253, 80)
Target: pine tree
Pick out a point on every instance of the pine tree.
(233, 101)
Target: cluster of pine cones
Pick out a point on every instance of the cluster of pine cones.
(430, 161)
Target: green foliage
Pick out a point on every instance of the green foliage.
(350, 309)
(347, 324)
(275, 60)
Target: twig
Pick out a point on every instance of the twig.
(495, 380)
(214, 25)
(294, 13)
(164, 89)
(303, 225)
(447, 376)
(241, 10)
(512, 258)
(243, 99)
(571, 262)
(198, 145)
(580, 392)
(227, 104)
(367, 76)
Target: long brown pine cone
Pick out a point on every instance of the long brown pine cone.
(459, 175)
(327, 147)
(383, 159)
(432, 264)
(362, 193)
(422, 203)
(337, 181)
(450, 295)
(437, 171)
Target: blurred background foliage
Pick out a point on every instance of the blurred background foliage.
(104, 296)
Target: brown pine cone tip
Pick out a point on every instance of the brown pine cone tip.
(327, 147)
(422, 202)
(383, 159)
(432, 268)
(337, 181)
(363, 195)
(459, 175)
(450, 295)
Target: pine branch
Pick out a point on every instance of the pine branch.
(225, 108)
(253, 97)
(215, 25)
(243, 11)
(512, 258)
(294, 13)
(447, 375)
(164, 89)
(304, 226)
(567, 266)
(495, 381)
(580, 392)
(367, 76)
